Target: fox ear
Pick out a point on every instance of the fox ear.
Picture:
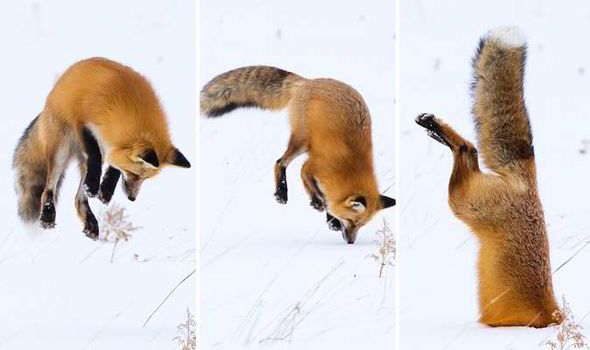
(150, 158)
(147, 157)
(178, 159)
(386, 202)
(356, 203)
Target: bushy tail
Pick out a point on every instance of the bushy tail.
(256, 86)
(501, 119)
(31, 175)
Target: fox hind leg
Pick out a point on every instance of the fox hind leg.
(465, 160)
(433, 128)
(83, 207)
(295, 148)
(443, 133)
(56, 165)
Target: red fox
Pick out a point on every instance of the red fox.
(98, 110)
(502, 208)
(329, 121)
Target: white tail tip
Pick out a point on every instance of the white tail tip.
(510, 36)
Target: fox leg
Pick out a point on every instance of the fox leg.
(295, 148)
(83, 207)
(93, 162)
(311, 187)
(465, 162)
(333, 223)
(57, 161)
(317, 197)
(108, 184)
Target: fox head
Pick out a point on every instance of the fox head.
(140, 162)
(356, 210)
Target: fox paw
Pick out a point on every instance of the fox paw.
(91, 188)
(281, 193)
(333, 223)
(281, 196)
(108, 184)
(317, 204)
(47, 224)
(433, 129)
(105, 196)
(47, 219)
(91, 227)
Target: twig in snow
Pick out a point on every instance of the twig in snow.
(571, 257)
(168, 296)
(116, 226)
(568, 334)
(386, 247)
(186, 337)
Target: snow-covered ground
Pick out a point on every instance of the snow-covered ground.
(59, 289)
(275, 276)
(437, 257)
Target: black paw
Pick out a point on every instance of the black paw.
(281, 192)
(105, 197)
(433, 129)
(47, 219)
(47, 225)
(333, 223)
(108, 185)
(317, 204)
(281, 195)
(91, 227)
(425, 120)
(91, 186)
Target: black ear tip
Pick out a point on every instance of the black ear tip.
(387, 202)
(180, 160)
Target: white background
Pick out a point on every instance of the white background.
(58, 289)
(437, 252)
(270, 271)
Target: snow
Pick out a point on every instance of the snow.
(437, 253)
(58, 288)
(275, 276)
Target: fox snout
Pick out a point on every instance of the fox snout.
(350, 233)
(131, 186)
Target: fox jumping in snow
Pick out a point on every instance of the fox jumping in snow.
(329, 121)
(98, 111)
(502, 208)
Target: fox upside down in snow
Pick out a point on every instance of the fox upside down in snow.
(502, 208)
(98, 111)
(329, 121)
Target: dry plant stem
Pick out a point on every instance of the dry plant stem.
(187, 337)
(569, 333)
(113, 253)
(386, 249)
(570, 258)
(116, 226)
(168, 296)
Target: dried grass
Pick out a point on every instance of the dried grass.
(187, 338)
(386, 247)
(115, 226)
(568, 335)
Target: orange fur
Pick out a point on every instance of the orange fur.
(98, 110)
(502, 208)
(329, 121)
